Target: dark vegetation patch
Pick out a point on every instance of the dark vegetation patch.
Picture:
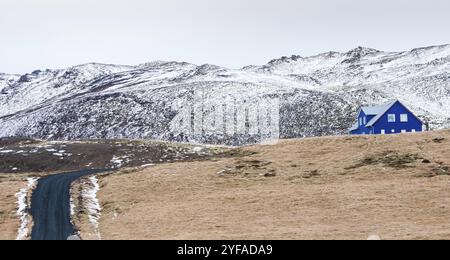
(305, 175)
(249, 168)
(392, 159)
(18, 156)
(398, 160)
(311, 174)
(8, 141)
(440, 170)
(439, 140)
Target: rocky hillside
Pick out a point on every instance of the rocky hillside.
(288, 97)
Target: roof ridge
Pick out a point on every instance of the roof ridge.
(375, 110)
(379, 115)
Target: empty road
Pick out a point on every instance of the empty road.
(50, 206)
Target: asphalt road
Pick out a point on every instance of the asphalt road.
(50, 206)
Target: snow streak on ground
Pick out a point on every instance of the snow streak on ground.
(23, 208)
(72, 207)
(91, 203)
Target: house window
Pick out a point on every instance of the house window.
(364, 121)
(404, 118)
(383, 132)
(403, 131)
(391, 118)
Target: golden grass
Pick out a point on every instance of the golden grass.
(10, 184)
(9, 221)
(316, 188)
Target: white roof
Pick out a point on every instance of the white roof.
(377, 111)
(381, 111)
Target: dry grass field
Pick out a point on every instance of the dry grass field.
(347, 187)
(9, 221)
(10, 185)
(318, 188)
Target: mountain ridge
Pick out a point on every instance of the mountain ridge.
(282, 57)
(315, 95)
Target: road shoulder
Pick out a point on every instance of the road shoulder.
(9, 220)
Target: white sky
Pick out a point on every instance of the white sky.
(40, 34)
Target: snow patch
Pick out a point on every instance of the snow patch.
(23, 208)
(118, 161)
(92, 203)
(197, 149)
(62, 154)
(74, 237)
(72, 207)
(374, 237)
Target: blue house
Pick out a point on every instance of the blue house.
(389, 118)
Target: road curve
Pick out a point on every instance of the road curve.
(50, 206)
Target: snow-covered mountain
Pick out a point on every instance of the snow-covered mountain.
(288, 97)
(29, 90)
(6, 79)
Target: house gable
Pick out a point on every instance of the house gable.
(360, 126)
(377, 121)
(385, 111)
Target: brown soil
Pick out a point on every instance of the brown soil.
(317, 188)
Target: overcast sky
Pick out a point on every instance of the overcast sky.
(39, 34)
